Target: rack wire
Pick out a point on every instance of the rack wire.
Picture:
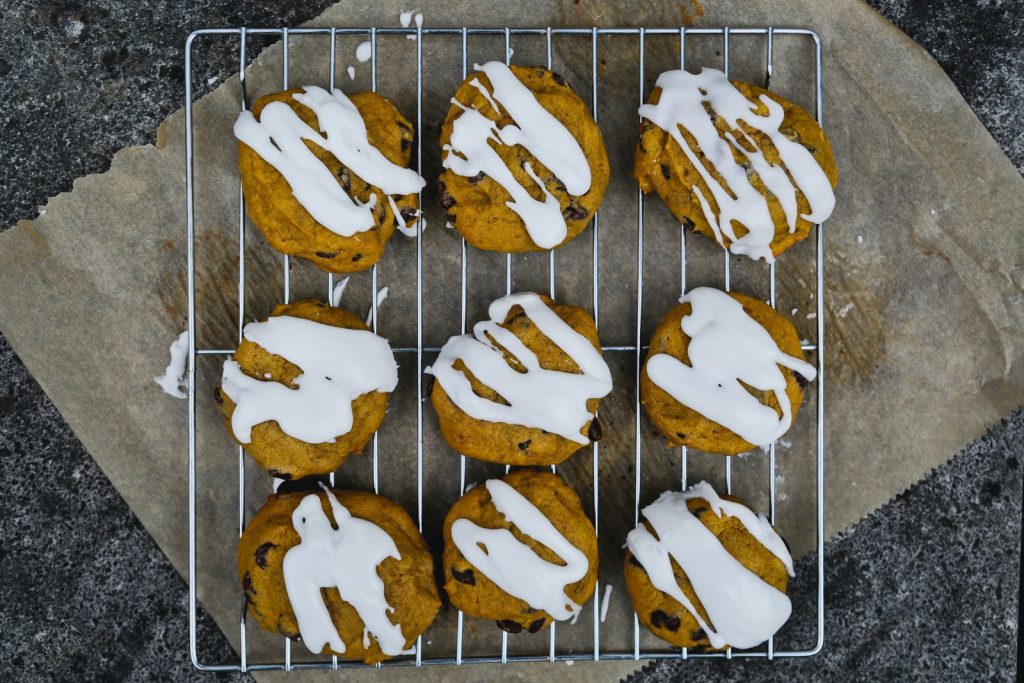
(725, 34)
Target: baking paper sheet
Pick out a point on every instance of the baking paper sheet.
(923, 267)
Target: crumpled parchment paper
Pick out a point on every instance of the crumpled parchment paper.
(923, 265)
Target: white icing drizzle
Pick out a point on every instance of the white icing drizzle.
(469, 151)
(743, 609)
(351, 71)
(606, 600)
(339, 291)
(683, 96)
(512, 565)
(345, 558)
(173, 380)
(338, 365)
(546, 399)
(382, 295)
(727, 347)
(279, 138)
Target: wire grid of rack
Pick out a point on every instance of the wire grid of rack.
(419, 33)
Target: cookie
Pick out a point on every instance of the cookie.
(330, 196)
(525, 162)
(314, 397)
(532, 551)
(748, 376)
(355, 554)
(704, 572)
(735, 162)
(525, 389)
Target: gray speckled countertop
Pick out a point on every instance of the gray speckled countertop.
(926, 587)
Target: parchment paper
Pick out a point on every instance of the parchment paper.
(924, 292)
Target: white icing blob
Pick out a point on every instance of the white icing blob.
(338, 365)
(512, 565)
(279, 138)
(469, 151)
(346, 558)
(364, 51)
(743, 609)
(546, 399)
(726, 347)
(405, 17)
(683, 96)
(351, 71)
(173, 380)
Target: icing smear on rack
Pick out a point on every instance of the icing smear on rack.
(345, 558)
(546, 399)
(469, 151)
(683, 98)
(513, 565)
(173, 380)
(742, 609)
(728, 347)
(280, 136)
(338, 365)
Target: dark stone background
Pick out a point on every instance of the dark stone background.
(926, 587)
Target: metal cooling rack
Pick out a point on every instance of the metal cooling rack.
(724, 36)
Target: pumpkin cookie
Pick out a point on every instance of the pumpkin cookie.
(705, 572)
(306, 388)
(525, 163)
(734, 381)
(735, 162)
(346, 572)
(519, 550)
(326, 176)
(523, 389)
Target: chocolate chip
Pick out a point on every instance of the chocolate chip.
(247, 584)
(447, 201)
(304, 485)
(535, 626)
(688, 224)
(326, 254)
(801, 380)
(664, 172)
(451, 218)
(467, 577)
(261, 554)
(595, 432)
(558, 78)
(409, 215)
(575, 212)
(477, 178)
(698, 635)
(217, 396)
(279, 474)
(509, 626)
(661, 620)
(357, 258)
(406, 144)
(523, 445)
(635, 562)
(680, 435)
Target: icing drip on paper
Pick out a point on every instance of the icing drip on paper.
(364, 51)
(728, 347)
(280, 136)
(743, 609)
(546, 399)
(469, 151)
(683, 96)
(345, 558)
(338, 365)
(173, 380)
(339, 291)
(382, 295)
(512, 565)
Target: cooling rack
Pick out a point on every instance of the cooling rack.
(625, 38)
